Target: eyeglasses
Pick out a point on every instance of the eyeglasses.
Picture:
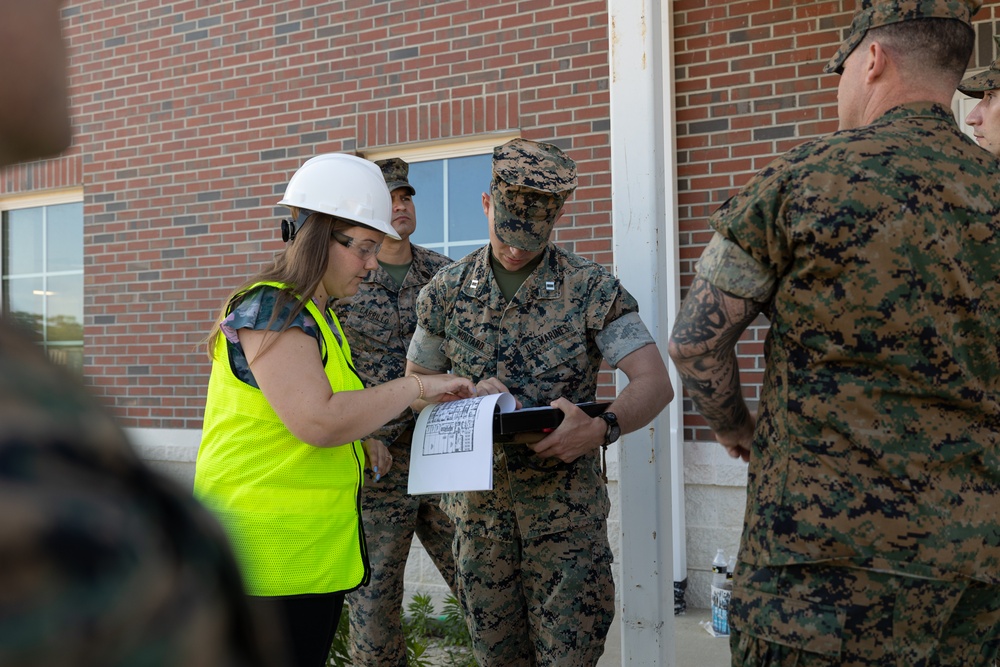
(364, 251)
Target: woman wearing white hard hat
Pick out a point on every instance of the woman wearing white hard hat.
(281, 459)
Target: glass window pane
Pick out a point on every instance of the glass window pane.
(23, 301)
(428, 180)
(65, 237)
(457, 252)
(70, 356)
(468, 178)
(22, 241)
(64, 308)
(43, 277)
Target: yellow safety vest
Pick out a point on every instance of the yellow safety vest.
(291, 510)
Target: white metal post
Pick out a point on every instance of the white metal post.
(645, 248)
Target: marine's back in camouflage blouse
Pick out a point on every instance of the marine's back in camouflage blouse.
(547, 342)
(379, 321)
(879, 426)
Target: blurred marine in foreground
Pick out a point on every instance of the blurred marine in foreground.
(103, 561)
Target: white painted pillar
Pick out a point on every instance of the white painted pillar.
(644, 219)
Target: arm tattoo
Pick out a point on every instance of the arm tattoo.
(703, 347)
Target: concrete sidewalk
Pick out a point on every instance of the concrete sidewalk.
(693, 646)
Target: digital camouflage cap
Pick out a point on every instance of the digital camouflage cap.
(876, 13)
(396, 174)
(976, 86)
(531, 182)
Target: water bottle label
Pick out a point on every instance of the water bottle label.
(720, 610)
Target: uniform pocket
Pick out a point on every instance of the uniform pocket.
(798, 624)
(561, 360)
(466, 358)
(371, 324)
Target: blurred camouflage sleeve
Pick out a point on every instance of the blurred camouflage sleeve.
(734, 271)
(105, 562)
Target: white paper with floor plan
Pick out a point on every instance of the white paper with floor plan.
(452, 446)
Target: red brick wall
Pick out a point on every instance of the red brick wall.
(190, 116)
(62, 172)
(750, 86)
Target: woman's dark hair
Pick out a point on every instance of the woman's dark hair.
(300, 265)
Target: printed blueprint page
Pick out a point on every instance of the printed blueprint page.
(452, 446)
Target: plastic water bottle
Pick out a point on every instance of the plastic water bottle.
(719, 569)
(720, 594)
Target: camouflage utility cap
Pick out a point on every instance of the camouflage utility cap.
(877, 13)
(976, 86)
(531, 182)
(396, 173)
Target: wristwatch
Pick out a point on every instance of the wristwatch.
(614, 430)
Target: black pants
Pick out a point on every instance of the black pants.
(308, 622)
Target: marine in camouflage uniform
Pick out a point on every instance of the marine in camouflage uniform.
(104, 561)
(985, 116)
(872, 527)
(379, 322)
(533, 555)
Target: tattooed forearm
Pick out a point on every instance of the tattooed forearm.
(703, 347)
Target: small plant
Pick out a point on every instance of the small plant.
(453, 628)
(421, 627)
(415, 650)
(448, 630)
(416, 629)
(420, 620)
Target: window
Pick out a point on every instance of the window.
(449, 204)
(42, 273)
(449, 181)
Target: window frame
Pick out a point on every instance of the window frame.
(445, 150)
(40, 199)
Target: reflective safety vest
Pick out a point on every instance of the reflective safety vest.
(292, 510)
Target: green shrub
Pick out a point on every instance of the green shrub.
(421, 627)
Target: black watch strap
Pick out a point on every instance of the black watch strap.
(614, 430)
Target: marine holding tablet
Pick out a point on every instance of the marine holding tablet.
(523, 315)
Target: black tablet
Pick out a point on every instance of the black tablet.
(540, 420)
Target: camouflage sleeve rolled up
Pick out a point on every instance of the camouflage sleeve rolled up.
(735, 271)
(433, 309)
(622, 337)
(427, 350)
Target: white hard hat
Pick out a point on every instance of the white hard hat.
(343, 186)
